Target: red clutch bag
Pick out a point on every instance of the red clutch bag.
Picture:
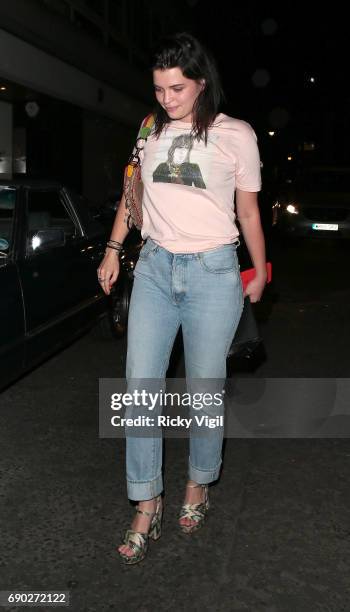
(248, 275)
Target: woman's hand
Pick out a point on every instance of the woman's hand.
(255, 288)
(108, 270)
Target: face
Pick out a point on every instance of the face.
(176, 93)
(180, 155)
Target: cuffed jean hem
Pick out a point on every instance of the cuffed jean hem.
(203, 476)
(140, 491)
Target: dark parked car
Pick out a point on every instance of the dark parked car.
(51, 243)
(50, 247)
(314, 203)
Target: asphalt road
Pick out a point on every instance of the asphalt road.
(277, 536)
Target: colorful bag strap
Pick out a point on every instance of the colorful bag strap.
(146, 126)
(144, 132)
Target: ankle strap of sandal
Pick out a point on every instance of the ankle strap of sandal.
(145, 512)
(195, 486)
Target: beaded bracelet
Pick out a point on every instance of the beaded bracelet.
(115, 242)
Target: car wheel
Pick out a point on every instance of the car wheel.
(104, 329)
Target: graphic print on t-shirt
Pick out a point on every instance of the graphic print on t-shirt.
(178, 168)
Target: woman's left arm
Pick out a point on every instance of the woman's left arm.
(248, 215)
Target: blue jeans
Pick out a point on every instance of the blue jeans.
(202, 292)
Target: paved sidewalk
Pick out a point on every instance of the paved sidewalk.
(277, 536)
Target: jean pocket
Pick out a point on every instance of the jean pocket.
(148, 248)
(221, 260)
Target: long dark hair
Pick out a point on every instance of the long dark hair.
(186, 52)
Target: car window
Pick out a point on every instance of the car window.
(46, 210)
(7, 212)
(88, 213)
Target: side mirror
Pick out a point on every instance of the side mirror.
(48, 238)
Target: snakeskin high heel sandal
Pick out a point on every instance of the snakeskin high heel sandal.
(139, 541)
(195, 512)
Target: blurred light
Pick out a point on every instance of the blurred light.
(269, 26)
(289, 158)
(292, 209)
(271, 133)
(261, 77)
(312, 79)
(36, 242)
(279, 117)
(309, 146)
(3, 88)
(32, 108)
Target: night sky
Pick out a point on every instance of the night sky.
(288, 39)
(268, 53)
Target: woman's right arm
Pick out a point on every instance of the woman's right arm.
(108, 269)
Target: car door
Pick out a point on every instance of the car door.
(50, 274)
(91, 245)
(11, 305)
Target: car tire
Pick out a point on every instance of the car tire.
(104, 328)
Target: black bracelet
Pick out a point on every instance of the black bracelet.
(117, 249)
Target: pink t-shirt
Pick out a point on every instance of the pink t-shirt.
(188, 202)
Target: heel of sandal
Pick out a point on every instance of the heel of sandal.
(197, 513)
(156, 526)
(138, 541)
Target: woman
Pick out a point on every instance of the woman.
(187, 273)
